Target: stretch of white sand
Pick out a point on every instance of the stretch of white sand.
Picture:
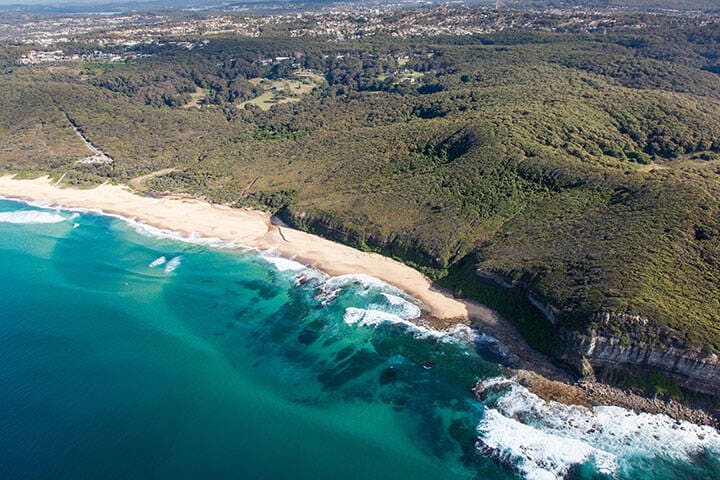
(249, 228)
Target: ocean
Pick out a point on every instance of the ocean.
(128, 352)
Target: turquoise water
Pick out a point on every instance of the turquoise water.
(130, 355)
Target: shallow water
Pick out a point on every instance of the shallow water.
(127, 353)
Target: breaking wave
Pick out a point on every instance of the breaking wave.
(372, 318)
(402, 307)
(30, 217)
(366, 282)
(538, 455)
(194, 237)
(172, 264)
(539, 440)
(157, 262)
(281, 263)
(40, 203)
(547, 440)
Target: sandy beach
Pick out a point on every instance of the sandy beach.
(249, 228)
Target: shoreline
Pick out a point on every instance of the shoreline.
(250, 228)
(255, 229)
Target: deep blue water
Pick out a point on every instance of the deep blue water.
(125, 355)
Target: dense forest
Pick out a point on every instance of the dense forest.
(583, 167)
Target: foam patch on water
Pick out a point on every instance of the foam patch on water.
(459, 333)
(396, 309)
(194, 237)
(366, 318)
(282, 264)
(373, 318)
(538, 455)
(40, 203)
(172, 264)
(367, 283)
(402, 307)
(545, 439)
(30, 217)
(157, 262)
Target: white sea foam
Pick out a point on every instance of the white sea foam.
(194, 237)
(546, 438)
(537, 454)
(281, 263)
(395, 310)
(139, 227)
(366, 318)
(30, 217)
(172, 264)
(372, 318)
(367, 282)
(614, 429)
(39, 203)
(405, 308)
(459, 333)
(157, 262)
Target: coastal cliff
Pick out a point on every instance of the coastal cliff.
(642, 348)
(630, 350)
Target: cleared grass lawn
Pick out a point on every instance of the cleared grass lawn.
(277, 92)
(195, 98)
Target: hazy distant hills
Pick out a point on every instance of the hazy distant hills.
(110, 6)
(94, 7)
(682, 5)
(105, 6)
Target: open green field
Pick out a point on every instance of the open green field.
(196, 98)
(277, 92)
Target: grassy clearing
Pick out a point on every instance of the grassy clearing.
(196, 98)
(278, 92)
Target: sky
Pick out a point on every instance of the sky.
(46, 2)
(51, 2)
(63, 3)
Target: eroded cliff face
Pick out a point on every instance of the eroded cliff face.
(634, 345)
(628, 345)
